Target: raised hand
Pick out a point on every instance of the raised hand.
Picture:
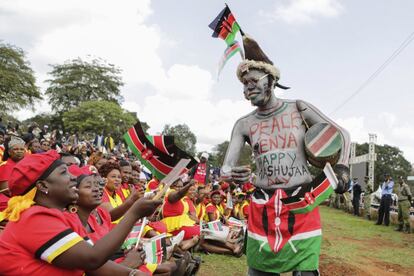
(145, 207)
(241, 174)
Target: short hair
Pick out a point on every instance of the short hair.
(124, 163)
(106, 168)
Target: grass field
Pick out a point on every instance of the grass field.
(351, 246)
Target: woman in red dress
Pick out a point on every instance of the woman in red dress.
(42, 238)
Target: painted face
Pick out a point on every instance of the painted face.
(126, 173)
(17, 152)
(61, 186)
(255, 87)
(113, 180)
(216, 199)
(90, 195)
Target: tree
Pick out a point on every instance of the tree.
(97, 117)
(219, 152)
(78, 81)
(17, 81)
(54, 121)
(389, 160)
(183, 137)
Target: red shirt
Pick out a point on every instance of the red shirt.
(173, 209)
(99, 229)
(28, 246)
(200, 174)
(153, 184)
(5, 170)
(3, 201)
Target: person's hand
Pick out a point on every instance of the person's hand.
(241, 174)
(343, 174)
(145, 207)
(134, 258)
(133, 196)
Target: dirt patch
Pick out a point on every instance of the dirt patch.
(337, 267)
(371, 267)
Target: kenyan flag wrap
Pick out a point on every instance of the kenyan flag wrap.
(280, 239)
(156, 249)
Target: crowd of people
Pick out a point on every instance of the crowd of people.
(72, 207)
(378, 205)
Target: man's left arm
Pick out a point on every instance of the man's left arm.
(311, 115)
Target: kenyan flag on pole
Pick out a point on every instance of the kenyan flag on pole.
(318, 191)
(156, 250)
(226, 27)
(132, 237)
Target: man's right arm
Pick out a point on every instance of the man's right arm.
(229, 168)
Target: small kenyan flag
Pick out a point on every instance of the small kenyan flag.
(225, 26)
(313, 194)
(132, 237)
(215, 225)
(156, 250)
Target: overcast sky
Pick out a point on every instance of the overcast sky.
(325, 50)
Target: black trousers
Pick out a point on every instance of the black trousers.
(355, 204)
(384, 210)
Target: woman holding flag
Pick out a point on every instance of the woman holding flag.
(44, 239)
(97, 221)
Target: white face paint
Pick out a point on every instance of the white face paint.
(256, 88)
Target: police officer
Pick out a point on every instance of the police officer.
(404, 199)
(386, 200)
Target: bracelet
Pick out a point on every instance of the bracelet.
(133, 272)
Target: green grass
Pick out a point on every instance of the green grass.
(352, 239)
(346, 240)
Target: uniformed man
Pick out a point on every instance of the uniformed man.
(404, 199)
(367, 199)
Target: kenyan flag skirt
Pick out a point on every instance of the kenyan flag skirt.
(279, 241)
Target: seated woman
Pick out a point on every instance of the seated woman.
(97, 221)
(113, 200)
(216, 208)
(225, 241)
(200, 203)
(43, 238)
(241, 208)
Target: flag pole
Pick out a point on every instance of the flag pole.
(168, 180)
(144, 222)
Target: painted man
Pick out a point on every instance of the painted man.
(279, 240)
